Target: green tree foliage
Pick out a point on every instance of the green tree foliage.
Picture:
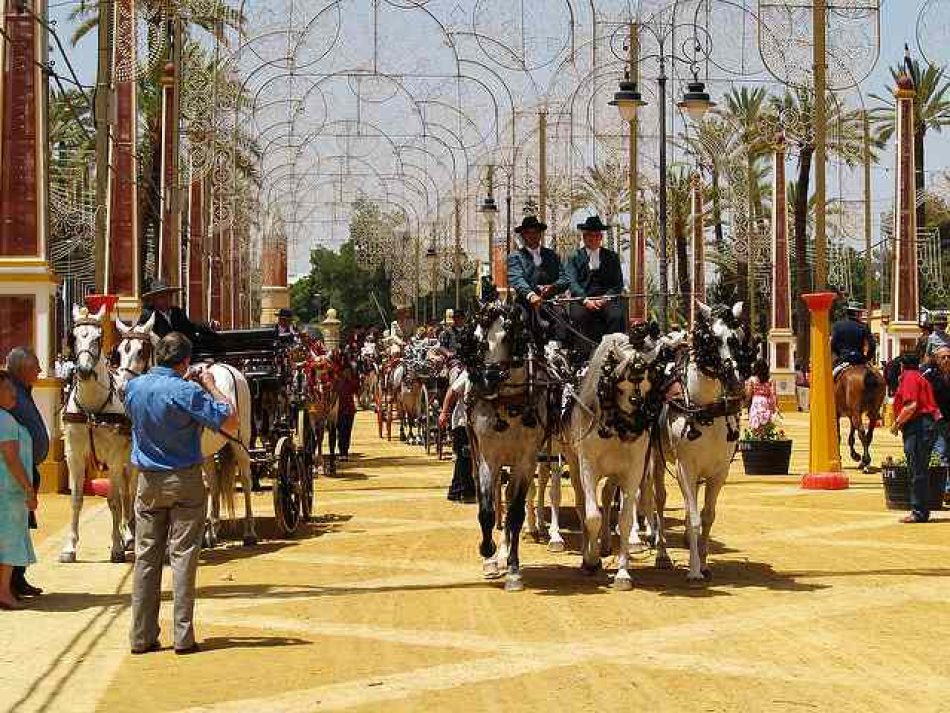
(337, 280)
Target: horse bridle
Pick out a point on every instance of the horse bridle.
(146, 354)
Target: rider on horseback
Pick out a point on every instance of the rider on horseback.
(851, 340)
(536, 274)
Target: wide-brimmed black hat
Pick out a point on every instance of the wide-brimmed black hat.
(284, 312)
(593, 225)
(158, 287)
(854, 308)
(531, 222)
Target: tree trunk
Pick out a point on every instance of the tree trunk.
(802, 269)
(919, 136)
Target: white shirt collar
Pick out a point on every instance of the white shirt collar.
(535, 254)
(593, 258)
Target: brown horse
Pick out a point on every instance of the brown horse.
(859, 391)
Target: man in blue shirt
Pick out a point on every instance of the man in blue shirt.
(168, 414)
(24, 366)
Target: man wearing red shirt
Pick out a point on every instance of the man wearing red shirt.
(917, 415)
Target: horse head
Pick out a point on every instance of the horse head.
(136, 348)
(87, 341)
(723, 346)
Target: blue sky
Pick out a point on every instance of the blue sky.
(898, 26)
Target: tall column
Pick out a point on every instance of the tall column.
(824, 459)
(169, 245)
(197, 261)
(122, 251)
(905, 302)
(781, 337)
(274, 292)
(27, 285)
(699, 247)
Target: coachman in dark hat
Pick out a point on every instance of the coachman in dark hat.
(168, 317)
(596, 282)
(536, 274)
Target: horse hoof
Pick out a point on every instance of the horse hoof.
(67, 557)
(250, 540)
(531, 535)
(556, 546)
(589, 570)
(663, 562)
(637, 548)
(117, 557)
(490, 570)
(695, 582)
(707, 574)
(623, 584)
(513, 583)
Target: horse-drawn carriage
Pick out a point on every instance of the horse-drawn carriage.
(282, 439)
(411, 390)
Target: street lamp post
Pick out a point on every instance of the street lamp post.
(695, 102)
(489, 209)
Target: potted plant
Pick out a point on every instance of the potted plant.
(898, 483)
(766, 450)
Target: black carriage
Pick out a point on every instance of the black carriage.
(281, 437)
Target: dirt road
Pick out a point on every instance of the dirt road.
(820, 601)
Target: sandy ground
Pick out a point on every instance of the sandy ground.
(820, 601)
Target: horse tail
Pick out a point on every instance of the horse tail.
(227, 477)
(873, 386)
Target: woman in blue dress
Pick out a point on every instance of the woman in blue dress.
(17, 497)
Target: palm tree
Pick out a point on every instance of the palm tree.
(604, 189)
(845, 142)
(931, 112)
(678, 192)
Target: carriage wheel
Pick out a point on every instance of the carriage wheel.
(287, 486)
(304, 438)
(306, 493)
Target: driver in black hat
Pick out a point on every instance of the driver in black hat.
(284, 326)
(851, 340)
(536, 274)
(596, 281)
(169, 318)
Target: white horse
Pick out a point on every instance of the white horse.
(96, 433)
(224, 459)
(227, 457)
(506, 419)
(700, 429)
(610, 429)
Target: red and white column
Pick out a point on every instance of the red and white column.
(122, 269)
(905, 301)
(781, 337)
(27, 285)
(274, 292)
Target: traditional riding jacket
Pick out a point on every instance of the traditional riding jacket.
(585, 281)
(175, 320)
(525, 276)
(852, 342)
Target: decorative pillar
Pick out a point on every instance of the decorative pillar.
(781, 337)
(824, 460)
(331, 330)
(905, 303)
(227, 277)
(122, 251)
(699, 247)
(274, 292)
(27, 285)
(196, 250)
(169, 244)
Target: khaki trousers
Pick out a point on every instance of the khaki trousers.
(169, 516)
